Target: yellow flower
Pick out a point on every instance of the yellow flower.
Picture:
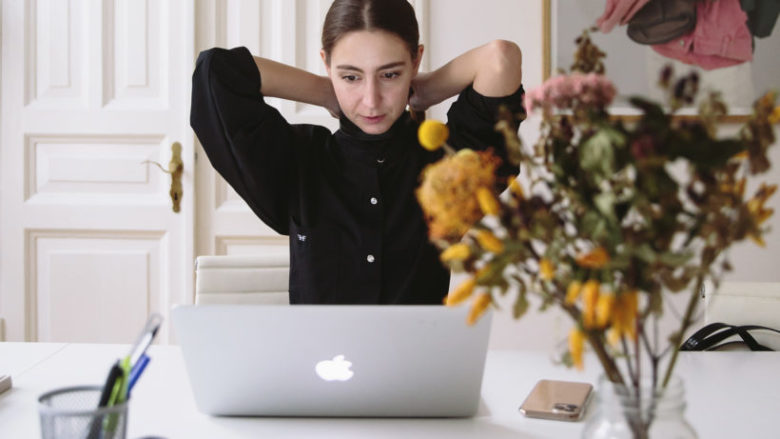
(756, 204)
(590, 296)
(760, 213)
(741, 155)
(546, 269)
(613, 335)
(573, 292)
(432, 134)
(446, 194)
(489, 242)
(604, 307)
(456, 252)
(487, 201)
(775, 116)
(595, 258)
(767, 99)
(576, 346)
(737, 188)
(478, 307)
(460, 293)
(624, 319)
(515, 188)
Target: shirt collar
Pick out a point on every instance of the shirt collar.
(375, 148)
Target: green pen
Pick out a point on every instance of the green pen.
(118, 394)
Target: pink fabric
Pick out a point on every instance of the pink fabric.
(721, 37)
(618, 12)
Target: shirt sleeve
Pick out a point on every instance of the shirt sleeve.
(472, 120)
(247, 141)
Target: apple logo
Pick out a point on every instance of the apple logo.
(336, 369)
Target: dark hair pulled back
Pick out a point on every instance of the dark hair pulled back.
(393, 16)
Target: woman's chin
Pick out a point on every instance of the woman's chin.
(374, 128)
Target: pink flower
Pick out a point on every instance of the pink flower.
(570, 91)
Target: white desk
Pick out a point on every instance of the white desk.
(730, 395)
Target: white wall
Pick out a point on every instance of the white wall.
(455, 28)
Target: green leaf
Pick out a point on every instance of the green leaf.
(656, 303)
(597, 152)
(645, 253)
(675, 259)
(521, 305)
(651, 109)
(566, 359)
(605, 202)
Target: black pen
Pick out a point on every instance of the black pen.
(97, 423)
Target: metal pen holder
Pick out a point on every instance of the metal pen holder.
(73, 413)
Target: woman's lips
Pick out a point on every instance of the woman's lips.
(373, 119)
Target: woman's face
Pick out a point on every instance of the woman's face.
(371, 72)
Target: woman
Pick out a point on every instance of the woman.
(357, 234)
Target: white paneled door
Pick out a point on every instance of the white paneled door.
(283, 30)
(92, 89)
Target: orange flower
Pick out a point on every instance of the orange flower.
(576, 346)
(595, 258)
(546, 269)
(478, 307)
(455, 252)
(461, 292)
(446, 194)
(590, 296)
(489, 242)
(487, 201)
(573, 292)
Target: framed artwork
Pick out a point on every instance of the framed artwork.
(634, 68)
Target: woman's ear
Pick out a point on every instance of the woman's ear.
(324, 57)
(418, 59)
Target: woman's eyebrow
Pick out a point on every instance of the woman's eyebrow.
(382, 67)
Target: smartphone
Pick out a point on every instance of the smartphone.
(557, 400)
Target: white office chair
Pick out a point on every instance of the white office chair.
(256, 279)
(746, 303)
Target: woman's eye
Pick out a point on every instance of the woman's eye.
(390, 75)
(350, 78)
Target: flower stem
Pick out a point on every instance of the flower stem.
(694, 299)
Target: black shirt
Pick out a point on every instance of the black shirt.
(357, 234)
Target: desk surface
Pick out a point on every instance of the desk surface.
(730, 394)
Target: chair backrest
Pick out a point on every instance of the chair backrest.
(239, 279)
(746, 303)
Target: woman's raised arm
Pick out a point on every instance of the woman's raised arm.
(286, 82)
(495, 69)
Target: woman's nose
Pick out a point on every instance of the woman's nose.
(371, 96)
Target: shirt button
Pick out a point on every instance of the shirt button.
(370, 259)
(374, 200)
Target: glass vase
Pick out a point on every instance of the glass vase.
(618, 412)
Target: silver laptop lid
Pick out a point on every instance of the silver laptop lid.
(403, 361)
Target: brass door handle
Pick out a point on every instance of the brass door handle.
(175, 169)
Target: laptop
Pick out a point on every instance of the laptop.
(327, 360)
